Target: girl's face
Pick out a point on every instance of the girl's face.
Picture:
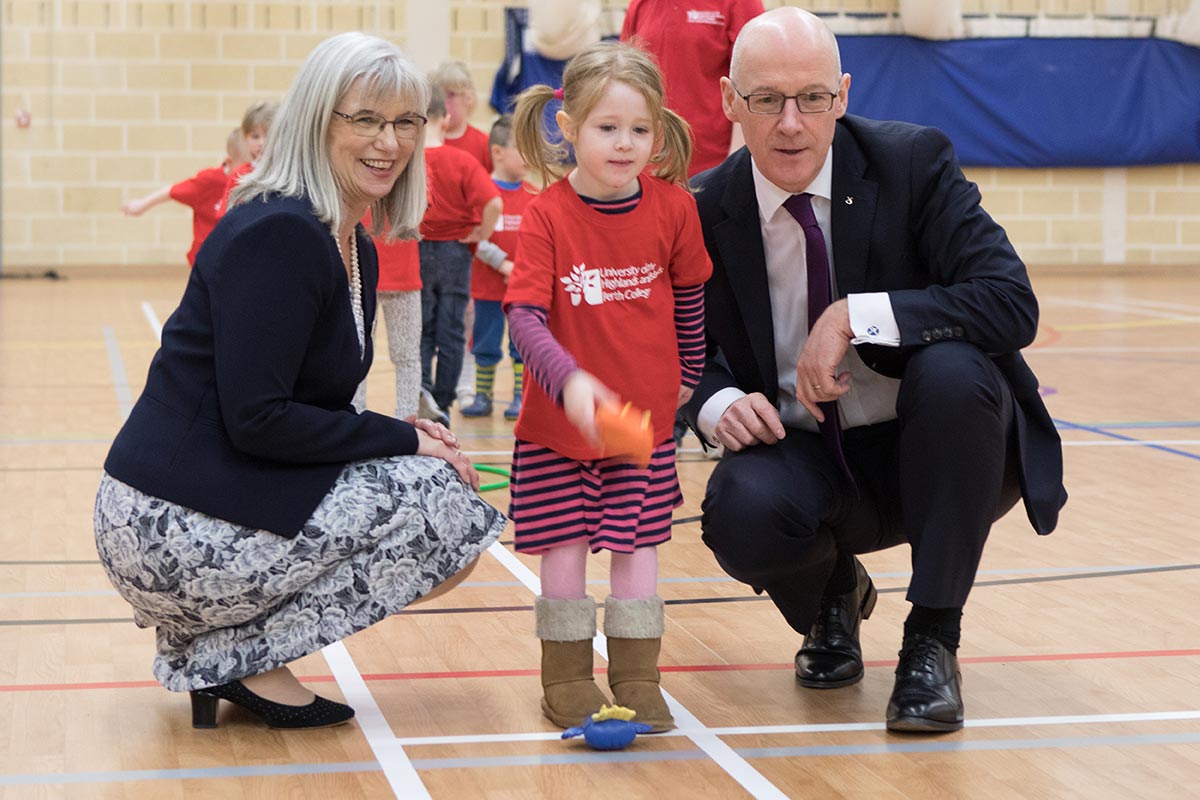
(612, 145)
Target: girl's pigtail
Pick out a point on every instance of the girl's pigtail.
(542, 156)
(672, 159)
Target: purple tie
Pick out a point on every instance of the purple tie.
(819, 296)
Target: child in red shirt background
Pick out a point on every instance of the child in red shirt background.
(256, 123)
(454, 79)
(202, 193)
(605, 303)
(490, 271)
(464, 206)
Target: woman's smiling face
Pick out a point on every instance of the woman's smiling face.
(366, 167)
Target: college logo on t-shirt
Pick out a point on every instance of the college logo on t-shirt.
(610, 284)
(508, 222)
(706, 17)
(584, 284)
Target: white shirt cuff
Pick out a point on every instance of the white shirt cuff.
(872, 319)
(713, 408)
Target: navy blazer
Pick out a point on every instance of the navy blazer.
(905, 221)
(246, 415)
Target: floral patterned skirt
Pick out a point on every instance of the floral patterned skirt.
(230, 601)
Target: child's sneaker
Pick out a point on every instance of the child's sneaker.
(427, 408)
(481, 407)
(514, 410)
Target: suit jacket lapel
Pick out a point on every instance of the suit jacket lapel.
(739, 239)
(853, 213)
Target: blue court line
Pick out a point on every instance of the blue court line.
(944, 746)
(580, 756)
(1101, 432)
(1111, 426)
(1191, 362)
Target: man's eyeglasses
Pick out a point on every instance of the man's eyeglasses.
(407, 127)
(773, 103)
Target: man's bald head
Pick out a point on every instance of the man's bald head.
(781, 56)
(784, 30)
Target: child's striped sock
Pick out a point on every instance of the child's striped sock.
(518, 381)
(485, 378)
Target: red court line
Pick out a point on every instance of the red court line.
(1053, 335)
(523, 673)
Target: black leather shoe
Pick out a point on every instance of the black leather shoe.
(927, 697)
(320, 713)
(831, 655)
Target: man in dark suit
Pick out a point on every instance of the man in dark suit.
(864, 318)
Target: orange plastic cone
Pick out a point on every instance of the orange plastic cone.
(626, 432)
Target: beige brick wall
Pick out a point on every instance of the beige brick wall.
(129, 96)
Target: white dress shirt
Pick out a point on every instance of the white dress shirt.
(872, 397)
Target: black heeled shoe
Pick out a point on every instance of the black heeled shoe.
(320, 713)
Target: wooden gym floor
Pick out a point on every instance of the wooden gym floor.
(1081, 654)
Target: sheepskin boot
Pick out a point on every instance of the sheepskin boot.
(634, 630)
(566, 628)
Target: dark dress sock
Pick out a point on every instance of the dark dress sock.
(844, 577)
(943, 624)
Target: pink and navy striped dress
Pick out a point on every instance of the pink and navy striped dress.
(615, 289)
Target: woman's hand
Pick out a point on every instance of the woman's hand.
(436, 445)
(435, 429)
(581, 394)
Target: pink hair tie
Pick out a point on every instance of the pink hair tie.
(558, 93)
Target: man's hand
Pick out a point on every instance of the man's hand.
(817, 380)
(748, 421)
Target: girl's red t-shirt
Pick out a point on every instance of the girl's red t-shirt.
(607, 281)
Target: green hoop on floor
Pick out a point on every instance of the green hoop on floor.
(488, 487)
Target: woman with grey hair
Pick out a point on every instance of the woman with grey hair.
(246, 511)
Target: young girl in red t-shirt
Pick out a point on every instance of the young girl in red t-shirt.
(605, 304)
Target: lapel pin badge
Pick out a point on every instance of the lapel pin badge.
(849, 200)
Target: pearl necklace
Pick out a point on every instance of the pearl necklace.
(355, 292)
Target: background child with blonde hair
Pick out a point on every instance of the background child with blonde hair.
(201, 193)
(454, 80)
(605, 303)
(256, 123)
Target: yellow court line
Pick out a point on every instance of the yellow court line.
(65, 344)
(1143, 323)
